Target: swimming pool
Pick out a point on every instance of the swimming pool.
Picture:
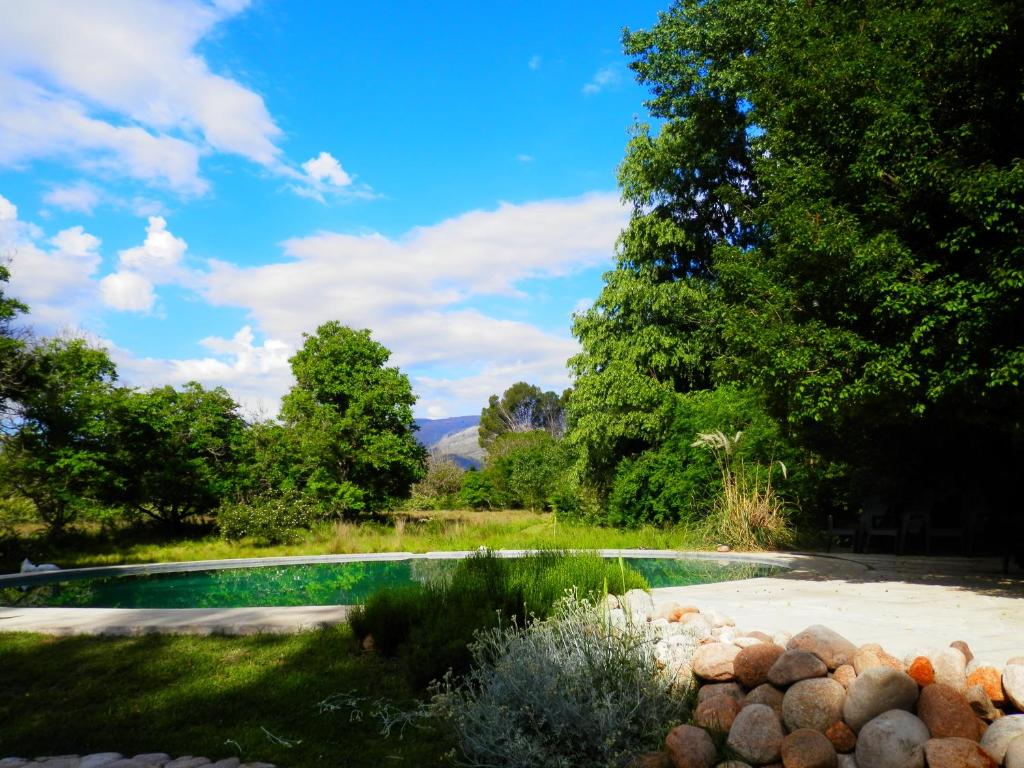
(284, 582)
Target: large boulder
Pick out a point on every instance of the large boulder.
(714, 662)
(756, 735)
(997, 738)
(713, 690)
(751, 664)
(878, 690)
(952, 752)
(690, 747)
(1013, 684)
(794, 666)
(638, 604)
(815, 704)
(947, 712)
(894, 739)
(716, 713)
(805, 748)
(828, 645)
(1014, 757)
(768, 695)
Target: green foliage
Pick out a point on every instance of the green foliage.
(522, 408)
(268, 519)
(478, 492)
(529, 469)
(350, 422)
(440, 486)
(431, 626)
(174, 450)
(563, 692)
(57, 455)
(12, 346)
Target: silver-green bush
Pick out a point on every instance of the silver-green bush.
(568, 691)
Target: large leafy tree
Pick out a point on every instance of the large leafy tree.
(830, 212)
(522, 408)
(57, 454)
(12, 347)
(350, 417)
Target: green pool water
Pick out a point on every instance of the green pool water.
(346, 583)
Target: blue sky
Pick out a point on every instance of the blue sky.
(195, 184)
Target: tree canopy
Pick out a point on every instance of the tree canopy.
(522, 408)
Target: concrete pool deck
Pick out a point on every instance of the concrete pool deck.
(903, 603)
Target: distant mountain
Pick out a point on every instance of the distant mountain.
(455, 437)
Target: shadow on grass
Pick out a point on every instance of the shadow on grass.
(250, 697)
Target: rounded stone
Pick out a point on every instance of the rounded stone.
(981, 704)
(965, 649)
(690, 747)
(815, 704)
(997, 738)
(1015, 753)
(716, 713)
(950, 667)
(844, 675)
(714, 661)
(794, 666)
(650, 760)
(878, 690)
(848, 761)
(733, 764)
(751, 664)
(805, 748)
(946, 712)
(842, 736)
(921, 671)
(99, 759)
(756, 734)
(828, 645)
(768, 695)
(952, 752)
(638, 602)
(712, 690)
(894, 739)
(991, 680)
(1013, 684)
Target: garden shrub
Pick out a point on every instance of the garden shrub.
(273, 519)
(478, 492)
(563, 692)
(439, 487)
(431, 626)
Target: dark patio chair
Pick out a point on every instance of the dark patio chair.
(879, 522)
(851, 530)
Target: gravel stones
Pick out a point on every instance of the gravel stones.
(794, 666)
(714, 661)
(878, 690)
(828, 645)
(1013, 684)
(946, 712)
(756, 734)
(815, 704)
(956, 753)
(805, 748)
(752, 664)
(690, 747)
(999, 735)
(894, 739)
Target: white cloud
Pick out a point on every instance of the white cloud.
(127, 291)
(80, 197)
(534, 62)
(8, 210)
(324, 168)
(604, 78)
(160, 253)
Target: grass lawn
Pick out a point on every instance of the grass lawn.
(210, 696)
(403, 532)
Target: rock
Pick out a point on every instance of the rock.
(751, 664)
(981, 704)
(690, 747)
(650, 760)
(991, 679)
(724, 634)
(674, 652)
(965, 649)
(257, 765)
(842, 736)
(712, 690)
(956, 753)
(1015, 660)
(794, 666)
(714, 661)
(125, 762)
(805, 748)
(921, 671)
(763, 637)
(847, 761)
(674, 612)
(782, 638)
(864, 659)
(717, 713)
(814, 703)
(58, 761)
(733, 764)
(723, 548)
(1015, 753)
(152, 758)
(999, 735)
(829, 646)
(950, 667)
(13, 762)
(187, 762)
(756, 734)
(946, 713)
(718, 619)
(768, 695)
(844, 675)
(878, 690)
(638, 602)
(227, 762)
(744, 641)
(894, 739)
(99, 759)
(697, 624)
(1013, 684)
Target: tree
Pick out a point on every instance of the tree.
(522, 408)
(57, 455)
(175, 451)
(831, 214)
(12, 347)
(352, 423)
